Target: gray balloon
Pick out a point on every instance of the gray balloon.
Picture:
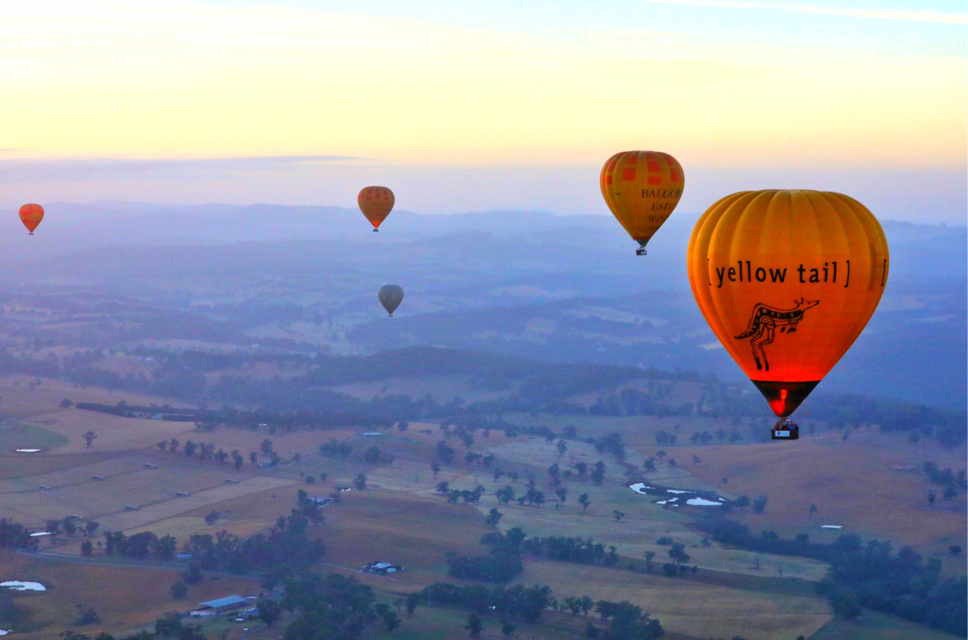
(390, 296)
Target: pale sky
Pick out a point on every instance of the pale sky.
(469, 106)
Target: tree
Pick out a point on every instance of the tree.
(86, 615)
(493, 517)
(562, 447)
(89, 438)
(507, 629)
(360, 482)
(269, 611)
(391, 620)
(955, 549)
(435, 467)
(87, 547)
(584, 502)
(253, 458)
(190, 448)
(649, 557)
(169, 624)
(759, 504)
(237, 459)
(678, 553)
(179, 590)
(221, 456)
(445, 452)
(598, 475)
(403, 425)
(69, 527)
(618, 515)
(173, 445)
(411, 602)
(212, 517)
(266, 446)
(813, 509)
(474, 625)
(932, 496)
(562, 493)
(591, 630)
(505, 495)
(90, 527)
(845, 604)
(372, 455)
(162, 445)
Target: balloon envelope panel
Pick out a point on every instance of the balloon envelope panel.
(642, 188)
(787, 280)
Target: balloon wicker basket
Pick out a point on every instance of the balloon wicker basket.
(376, 231)
(786, 430)
(640, 251)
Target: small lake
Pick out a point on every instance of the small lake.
(19, 585)
(679, 497)
(27, 450)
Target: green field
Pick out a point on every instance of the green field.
(28, 436)
(877, 626)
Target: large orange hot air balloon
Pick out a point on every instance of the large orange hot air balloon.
(376, 204)
(642, 188)
(787, 280)
(31, 215)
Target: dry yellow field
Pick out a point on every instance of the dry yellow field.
(868, 488)
(687, 607)
(122, 597)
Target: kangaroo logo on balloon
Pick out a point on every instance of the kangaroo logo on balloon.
(766, 320)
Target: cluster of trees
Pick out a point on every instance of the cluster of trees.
(139, 545)
(526, 603)
(333, 606)
(503, 562)
(16, 536)
(627, 622)
(869, 575)
(946, 478)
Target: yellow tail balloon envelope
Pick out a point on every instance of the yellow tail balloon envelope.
(787, 280)
(642, 188)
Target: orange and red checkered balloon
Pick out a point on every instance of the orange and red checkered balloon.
(642, 188)
(31, 215)
(787, 280)
(376, 204)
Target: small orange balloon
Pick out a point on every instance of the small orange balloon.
(376, 204)
(642, 188)
(31, 215)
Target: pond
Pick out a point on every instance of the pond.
(27, 450)
(679, 497)
(19, 585)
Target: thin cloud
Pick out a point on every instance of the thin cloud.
(882, 14)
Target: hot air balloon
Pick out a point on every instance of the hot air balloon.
(642, 188)
(787, 280)
(31, 215)
(390, 296)
(376, 204)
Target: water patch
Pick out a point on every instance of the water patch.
(702, 502)
(831, 526)
(27, 450)
(678, 497)
(19, 585)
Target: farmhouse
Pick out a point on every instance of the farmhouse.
(228, 603)
(381, 568)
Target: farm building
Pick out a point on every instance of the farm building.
(381, 568)
(228, 603)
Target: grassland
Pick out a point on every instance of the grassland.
(877, 626)
(692, 608)
(122, 597)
